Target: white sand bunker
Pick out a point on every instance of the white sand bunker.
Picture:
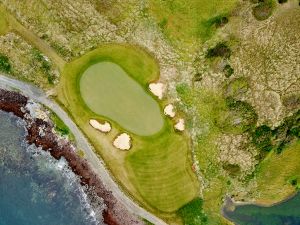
(169, 110)
(180, 125)
(105, 127)
(157, 89)
(123, 142)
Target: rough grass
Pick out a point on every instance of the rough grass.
(156, 171)
(3, 23)
(186, 22)
(275, 172)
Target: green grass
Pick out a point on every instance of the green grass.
(157, 170)
(187, 22)
(161, 171)
(61, 127)
(275, 172)
(110, 92)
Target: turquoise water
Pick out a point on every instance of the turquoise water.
(34, 188)
(285, 213)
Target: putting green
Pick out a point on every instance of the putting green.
(109, 91)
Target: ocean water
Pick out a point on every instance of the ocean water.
(284, 213)
(34, 188)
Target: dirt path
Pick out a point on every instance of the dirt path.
(33, 39)
(82, 143)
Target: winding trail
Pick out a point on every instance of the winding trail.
(97, 164)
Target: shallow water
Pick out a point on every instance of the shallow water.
(34, 188)
(285, 213)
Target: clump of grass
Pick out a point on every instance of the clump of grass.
(192, 213)
(81, 153)
(4, 64)
(263, 10)
(228, 71)
(220, 50)
(43, 63)
(61, 127)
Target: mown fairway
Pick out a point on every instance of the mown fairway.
(161, 171)
(109, 91)
(157, 170)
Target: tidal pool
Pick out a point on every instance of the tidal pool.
(110, 92)
(284, 213)
(36, 189)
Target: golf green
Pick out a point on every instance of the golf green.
(110, 92)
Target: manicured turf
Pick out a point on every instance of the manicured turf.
(160, 170)
(157, 170)
(109, 91)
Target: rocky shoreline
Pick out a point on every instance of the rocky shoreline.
(40, 133)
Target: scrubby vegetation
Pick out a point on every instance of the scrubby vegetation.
(263, 10)
(192, 213)
(220, 50)
(4, 64)
(277, 139)
(60, 126)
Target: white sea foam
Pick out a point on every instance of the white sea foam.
(47, 162)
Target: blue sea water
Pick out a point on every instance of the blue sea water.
(34, 188)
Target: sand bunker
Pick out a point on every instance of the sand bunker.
(169, 110)
(105, 127)
(157, 89)
(180, 125)
(123, 142)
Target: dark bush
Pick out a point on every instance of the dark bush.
(192, 213)
(282, 1)
(233, 169)
(220, 50)
(262, 138)
(218, 21)
(228, 70)
(4, 64)
(263, 10)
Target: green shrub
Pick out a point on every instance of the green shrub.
(217, 21)
(192, 213)
(262, 138)
(233, 169)
(228, 70)
(4, 64)
(242, 115)
(220, 50)
(263, 10)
